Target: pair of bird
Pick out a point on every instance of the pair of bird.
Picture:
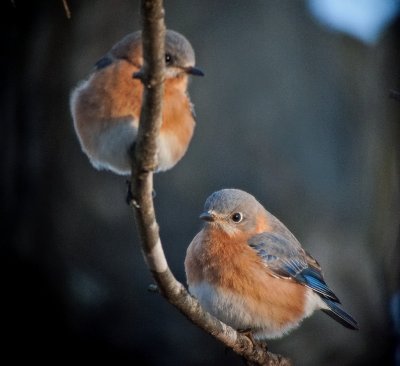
(245, 267)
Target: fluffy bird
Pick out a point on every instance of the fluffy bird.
(106, 107)
(248, 270)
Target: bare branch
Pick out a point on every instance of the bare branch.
(66, 8)
(144, 163)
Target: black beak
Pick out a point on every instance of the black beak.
(138, 75)
(194, 71)
(207, 216)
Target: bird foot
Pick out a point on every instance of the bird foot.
(249, 334)
(130, 199)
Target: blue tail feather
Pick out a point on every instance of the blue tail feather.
(339, 314)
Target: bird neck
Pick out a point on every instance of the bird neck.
(179, 82)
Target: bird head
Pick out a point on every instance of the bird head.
(179, 54)
(234, 211)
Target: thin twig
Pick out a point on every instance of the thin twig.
(67, 10)
(144, 163)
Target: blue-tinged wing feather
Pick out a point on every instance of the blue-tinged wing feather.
(103, 62)
(314, 280)
(285, 258)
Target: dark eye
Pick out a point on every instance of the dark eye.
(237, 217)
(168, 58)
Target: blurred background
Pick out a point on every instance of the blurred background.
(294, 109)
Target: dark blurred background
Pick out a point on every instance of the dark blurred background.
(294, 109)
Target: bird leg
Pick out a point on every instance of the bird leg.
(247, 332)
(130, 199)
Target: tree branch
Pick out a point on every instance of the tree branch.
(144, 163)
(66, 8)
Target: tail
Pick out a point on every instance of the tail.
(336, 312)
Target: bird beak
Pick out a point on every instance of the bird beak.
(207, 216)
(194, 71)
(138, 75)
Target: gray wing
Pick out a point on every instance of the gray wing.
(285, 258)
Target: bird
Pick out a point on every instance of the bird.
(248, 270)
(106, 106)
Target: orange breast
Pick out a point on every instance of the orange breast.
(111, 94)
(177, 116)
(233, 266)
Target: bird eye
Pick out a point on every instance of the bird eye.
(237, 217)
(168, 58)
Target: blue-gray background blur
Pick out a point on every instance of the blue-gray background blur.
(293, 111)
